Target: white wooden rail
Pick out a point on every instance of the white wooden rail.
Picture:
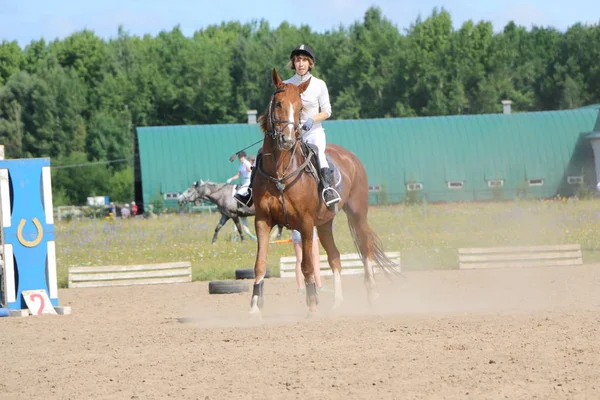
(526, 256)
(351, 264)
(127, 275)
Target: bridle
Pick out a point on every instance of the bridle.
(190, 195)
(276, 133)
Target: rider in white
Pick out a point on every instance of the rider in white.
(244, 171)
(316, 108)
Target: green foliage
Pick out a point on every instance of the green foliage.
(157, 202)
(121, 186)
(85, 95)
(110, 136)
(78, 183)
(11, 60)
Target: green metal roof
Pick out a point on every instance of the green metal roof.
(396, 151)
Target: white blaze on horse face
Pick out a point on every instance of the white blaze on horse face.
(291, 126)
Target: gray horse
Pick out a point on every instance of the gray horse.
(221, 194)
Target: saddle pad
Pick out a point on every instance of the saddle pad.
(337, 176)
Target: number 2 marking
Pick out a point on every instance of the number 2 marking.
(42, 304)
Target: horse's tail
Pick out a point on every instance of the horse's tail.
(379, 257)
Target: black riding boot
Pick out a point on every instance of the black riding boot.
(330, 195)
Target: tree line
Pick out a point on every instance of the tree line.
(78, 100)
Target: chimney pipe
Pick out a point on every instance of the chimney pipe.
(506, 109)
(251, 117)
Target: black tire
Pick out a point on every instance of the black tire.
(225, 287)
(248, 273)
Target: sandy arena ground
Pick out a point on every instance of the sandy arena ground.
(506, 333)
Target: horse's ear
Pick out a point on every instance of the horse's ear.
(277, 79)
(201, 182)
(304, 85)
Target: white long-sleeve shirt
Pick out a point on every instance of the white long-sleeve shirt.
(244, 173)
(314, 99)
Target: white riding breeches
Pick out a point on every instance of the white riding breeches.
(317, 137)
(243, 190)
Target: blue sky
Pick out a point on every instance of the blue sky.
(27, 20)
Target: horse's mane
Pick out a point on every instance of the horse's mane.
(263, 121)
(213, 184)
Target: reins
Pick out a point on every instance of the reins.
(273, 134)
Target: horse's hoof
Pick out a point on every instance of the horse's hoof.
(314, 315)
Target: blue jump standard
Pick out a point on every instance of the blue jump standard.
(28, 232)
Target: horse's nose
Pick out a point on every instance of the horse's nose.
(288, 140)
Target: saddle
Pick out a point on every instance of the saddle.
(315, 167)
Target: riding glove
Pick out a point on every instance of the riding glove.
(308, 124)
(229, 180)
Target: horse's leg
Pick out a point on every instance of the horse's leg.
(359, 227)
(236, 220)
(263, 228)
(222, 221)
(308, 268)
(333, 258)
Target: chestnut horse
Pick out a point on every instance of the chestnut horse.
(285, 191)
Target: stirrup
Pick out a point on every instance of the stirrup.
(335, 196)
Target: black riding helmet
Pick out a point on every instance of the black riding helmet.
(304, 50)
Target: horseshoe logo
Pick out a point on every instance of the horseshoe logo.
(38, 239)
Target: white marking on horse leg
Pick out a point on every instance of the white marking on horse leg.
(254, 309)
(337, 289)
(254, 305)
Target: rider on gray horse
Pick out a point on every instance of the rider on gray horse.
(316, 108)
(244, 171)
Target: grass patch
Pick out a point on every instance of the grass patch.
(427, 235)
